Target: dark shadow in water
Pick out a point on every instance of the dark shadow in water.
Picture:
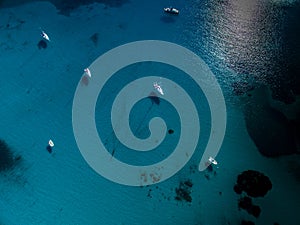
(271, 131)
(288, 81)
(154, 98)
(42, 44)
(167, 19)
(6, 156)
(49, 149)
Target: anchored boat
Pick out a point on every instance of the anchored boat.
(171, 10)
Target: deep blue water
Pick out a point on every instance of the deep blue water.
(252, 48)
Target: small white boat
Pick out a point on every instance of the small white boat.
(212, 160)
(51, 143)
(171, 10)
(44, 35)
(87, 72)
(158, 88)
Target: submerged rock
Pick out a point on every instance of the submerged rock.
(247, 222)
(246, 204)
(95, 38)
(65, 7)
(254, 183)
(183, 192)
(170, 131)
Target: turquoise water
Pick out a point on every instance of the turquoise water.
(240, 42)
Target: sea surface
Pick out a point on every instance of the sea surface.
(249, 50)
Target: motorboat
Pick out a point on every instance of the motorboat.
(171, 10)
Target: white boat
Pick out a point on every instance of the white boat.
(87, 72)
(212, 160)
(44, 35)
(171, 10)
(51, 143)
(158, 88)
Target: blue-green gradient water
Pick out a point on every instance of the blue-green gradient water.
(249, 46)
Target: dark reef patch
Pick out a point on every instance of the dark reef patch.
(246, 204)
(183, 192)
(7, 158)
(254, 183)
(95, 38)
(170, 131)
(247, 222)
(65, 7)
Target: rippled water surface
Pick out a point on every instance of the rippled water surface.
(255, 38)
